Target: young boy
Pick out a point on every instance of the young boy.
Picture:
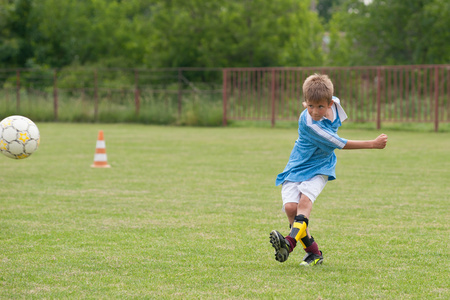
(311, 164)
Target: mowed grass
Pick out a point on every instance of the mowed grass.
(185, 213)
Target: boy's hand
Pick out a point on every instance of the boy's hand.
(380, 141)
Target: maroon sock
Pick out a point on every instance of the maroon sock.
(292, 243)
(314, 248)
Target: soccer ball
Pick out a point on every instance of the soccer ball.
(19, 137)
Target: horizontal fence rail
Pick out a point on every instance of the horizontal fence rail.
(368, 94)
(419, 93)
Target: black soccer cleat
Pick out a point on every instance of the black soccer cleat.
(312, 259)
(281, 246)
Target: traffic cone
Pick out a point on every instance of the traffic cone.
(100, 160)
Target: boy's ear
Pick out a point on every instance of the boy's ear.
(330, 104)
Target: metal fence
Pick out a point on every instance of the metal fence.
(419, 93)
(104, 94)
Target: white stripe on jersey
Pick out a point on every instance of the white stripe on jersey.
(323, 133)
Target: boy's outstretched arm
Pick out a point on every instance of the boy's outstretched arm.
(378, 143)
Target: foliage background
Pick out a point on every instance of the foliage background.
(213, 33)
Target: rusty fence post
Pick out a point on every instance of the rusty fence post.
(224, 96)
(436, 98)
(55, 95)
(180, 92)
(18, 91)
(95, 95)
(136, 92)
(378, 98)
(273, 97)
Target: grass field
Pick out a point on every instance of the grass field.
(185, 213)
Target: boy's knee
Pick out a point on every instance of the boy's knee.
(291, 208)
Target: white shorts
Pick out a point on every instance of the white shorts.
(292, 191)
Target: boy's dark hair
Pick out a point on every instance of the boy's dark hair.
(318, 87)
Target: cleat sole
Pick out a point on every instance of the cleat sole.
(281, 253)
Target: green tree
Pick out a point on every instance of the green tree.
(235, 33)
(15, 33)
(392, 32)
(437, 34)
(160, 33)
(326, 8)
(89, 32)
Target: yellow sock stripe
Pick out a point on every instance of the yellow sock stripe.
(301, 231)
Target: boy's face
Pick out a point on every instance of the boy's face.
(318, 109)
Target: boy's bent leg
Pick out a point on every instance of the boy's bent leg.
(309, 190)
(299, 227)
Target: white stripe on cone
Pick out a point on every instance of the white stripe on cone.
(101, 145)
(100, 159)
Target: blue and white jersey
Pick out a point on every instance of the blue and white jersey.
(313, 152)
